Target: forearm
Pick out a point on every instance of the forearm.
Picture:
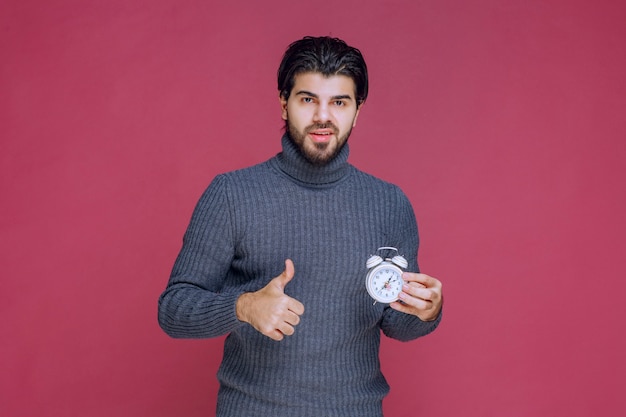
(187, 311)
(405, 327)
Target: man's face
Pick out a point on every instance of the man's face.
(320, 113)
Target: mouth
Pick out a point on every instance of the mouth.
(321, 135)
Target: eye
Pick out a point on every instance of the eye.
(339, 103)
(307, 99)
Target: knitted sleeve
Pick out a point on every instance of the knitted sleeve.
(397, 325)
(193, 304)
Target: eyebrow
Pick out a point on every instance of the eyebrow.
(310, 94)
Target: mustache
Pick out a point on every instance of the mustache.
(327, 125)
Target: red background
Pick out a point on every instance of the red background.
(503, 121)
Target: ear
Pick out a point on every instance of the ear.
(358, 109)
(283, 107)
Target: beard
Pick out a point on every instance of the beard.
(318, 154)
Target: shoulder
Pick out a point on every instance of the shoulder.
(242, 176)
(243, 184)
(378, 185)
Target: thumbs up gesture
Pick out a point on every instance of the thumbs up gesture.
(269, 310)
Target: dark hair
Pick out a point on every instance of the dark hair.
(326, 55)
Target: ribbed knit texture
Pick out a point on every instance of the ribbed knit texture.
(328, 220)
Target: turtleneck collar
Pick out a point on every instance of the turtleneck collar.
(291, 162)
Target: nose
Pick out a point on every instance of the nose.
(322, 113)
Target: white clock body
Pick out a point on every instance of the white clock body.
(384, 278)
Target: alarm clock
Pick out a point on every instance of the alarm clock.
(384, 276)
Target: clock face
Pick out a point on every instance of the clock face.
(384, 282)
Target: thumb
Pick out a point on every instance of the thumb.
(283, 279)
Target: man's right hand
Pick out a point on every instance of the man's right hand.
(269, 310)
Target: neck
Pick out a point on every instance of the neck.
(295, 165)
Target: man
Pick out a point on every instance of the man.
(275, 257)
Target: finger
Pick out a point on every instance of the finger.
(296, 306)
(275, 335)
(415, 302)
(287, 275)
(407, 308)
(423, 279)
(270, 331)
(290, 270)
(413, 277)
(292, 318)
(286, 329)
(396, 305)
(419, 291)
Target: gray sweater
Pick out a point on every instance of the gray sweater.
(328, 220)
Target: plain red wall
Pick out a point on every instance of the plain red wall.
(503, 121)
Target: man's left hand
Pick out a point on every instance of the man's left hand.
(421, 296)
